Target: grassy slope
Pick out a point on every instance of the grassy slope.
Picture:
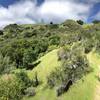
(82, 90)
(48, 63)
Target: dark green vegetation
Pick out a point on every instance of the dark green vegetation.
(23, 46)
(96, 21)
(80, 22)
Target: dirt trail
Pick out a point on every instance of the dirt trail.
(97, 91)
(96, 61)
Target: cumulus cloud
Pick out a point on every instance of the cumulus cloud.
(22, 12)
(93, 1)
(27, 12)
(85, 1)
(51, 10)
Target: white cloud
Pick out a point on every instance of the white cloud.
(88, 1)
(27, 11)
(22, 12)
(94, 1)
(64, 10)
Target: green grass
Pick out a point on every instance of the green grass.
(86, 26)
(48, 63)
(83, 89)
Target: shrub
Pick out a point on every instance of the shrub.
(88, 46)
(63, 88)
(47, 34)
(28, 56)
(54, 78)
(11, 31)
(52, 47)
(5, 65)
(96, 21)
(53, 26)
(80, 22)
(71, 25)
(1, 32)
(73, 68)
(54, 40)
(62, 53)
(10, 88)
(15, 50)
(24, 79)
(28, 33)
(30, 91)
(50, 81)
(35, 80)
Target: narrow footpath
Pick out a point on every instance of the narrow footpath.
(93, 59)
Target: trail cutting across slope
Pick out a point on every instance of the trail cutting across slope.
(95, 60)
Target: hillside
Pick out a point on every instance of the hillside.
(86, 85)
(49, 62)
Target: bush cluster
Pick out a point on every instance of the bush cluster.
(74, 66)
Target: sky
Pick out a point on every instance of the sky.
(45, 11)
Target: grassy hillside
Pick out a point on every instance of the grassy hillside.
(83, 89)
(49, 62)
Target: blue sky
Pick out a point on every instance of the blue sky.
(6, 3)
(35, 11)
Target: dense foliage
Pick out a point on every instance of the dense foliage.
(10, 88)
(74, 66)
